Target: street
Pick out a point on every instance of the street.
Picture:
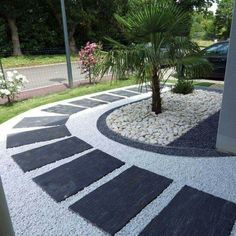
(47, 75)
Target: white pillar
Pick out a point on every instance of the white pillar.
(226, 137)
(6, 228)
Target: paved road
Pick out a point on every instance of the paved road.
(46, 75)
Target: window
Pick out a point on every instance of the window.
(220, 49)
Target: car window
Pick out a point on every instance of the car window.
(220, 49)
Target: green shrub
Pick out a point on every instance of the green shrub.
(183, 86)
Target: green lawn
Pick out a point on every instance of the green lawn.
(196, 83)
(9, 111)
(203, 43)
(204, 84)
(13, 62)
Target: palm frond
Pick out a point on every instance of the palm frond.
(155, 16)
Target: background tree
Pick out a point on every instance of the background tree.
(189, 6)
(223, 18)
(5, 44)
(10, 11)
(192, 6)
(37, 24)
(203, 27)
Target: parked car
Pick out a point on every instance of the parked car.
(216, 54)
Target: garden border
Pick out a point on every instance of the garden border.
(166, 150)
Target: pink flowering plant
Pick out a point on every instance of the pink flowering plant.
(11, 84)
(89, 57)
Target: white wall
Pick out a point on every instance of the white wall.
(226, 138)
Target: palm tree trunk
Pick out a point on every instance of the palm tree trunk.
(156, 93)
(14, 37)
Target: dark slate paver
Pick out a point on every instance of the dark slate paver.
(50, 153)
(29, 122)
(124, 93)
(86, 102)
(72, 177)
(115, 203)
(201, 136)
(34, 136)
(193, 212)
(107, 97)
(64, 109)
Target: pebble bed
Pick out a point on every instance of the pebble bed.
(180, 114)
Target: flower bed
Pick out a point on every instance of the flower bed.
(180, 114)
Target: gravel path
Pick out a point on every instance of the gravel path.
(34, 212)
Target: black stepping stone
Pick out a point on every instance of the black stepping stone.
(34, 136)
(124, 93)
(115, 203)
(193, 212)
(140, 89)
(50, 153)
(88, 102)
(28, 122)
(64, 109)
(108, 97)
(68, 179)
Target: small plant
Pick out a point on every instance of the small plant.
(89, 57)
(183, 86)
(11, 84)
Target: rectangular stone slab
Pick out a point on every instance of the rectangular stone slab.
(50, 153)
(124, 93)
(29, 122)
(34, 136)
(115, 203)
(68, 179)
(64, 109)
(193, 212)
(108, 97)
(88, 102)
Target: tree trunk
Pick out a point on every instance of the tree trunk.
(72, 42)
(14, 37)
(156, 93)
(56, 14)
(73, 47)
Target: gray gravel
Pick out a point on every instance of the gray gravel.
(34, 213)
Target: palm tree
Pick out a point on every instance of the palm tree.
(157, 32)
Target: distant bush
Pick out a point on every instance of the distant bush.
(183, 86)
